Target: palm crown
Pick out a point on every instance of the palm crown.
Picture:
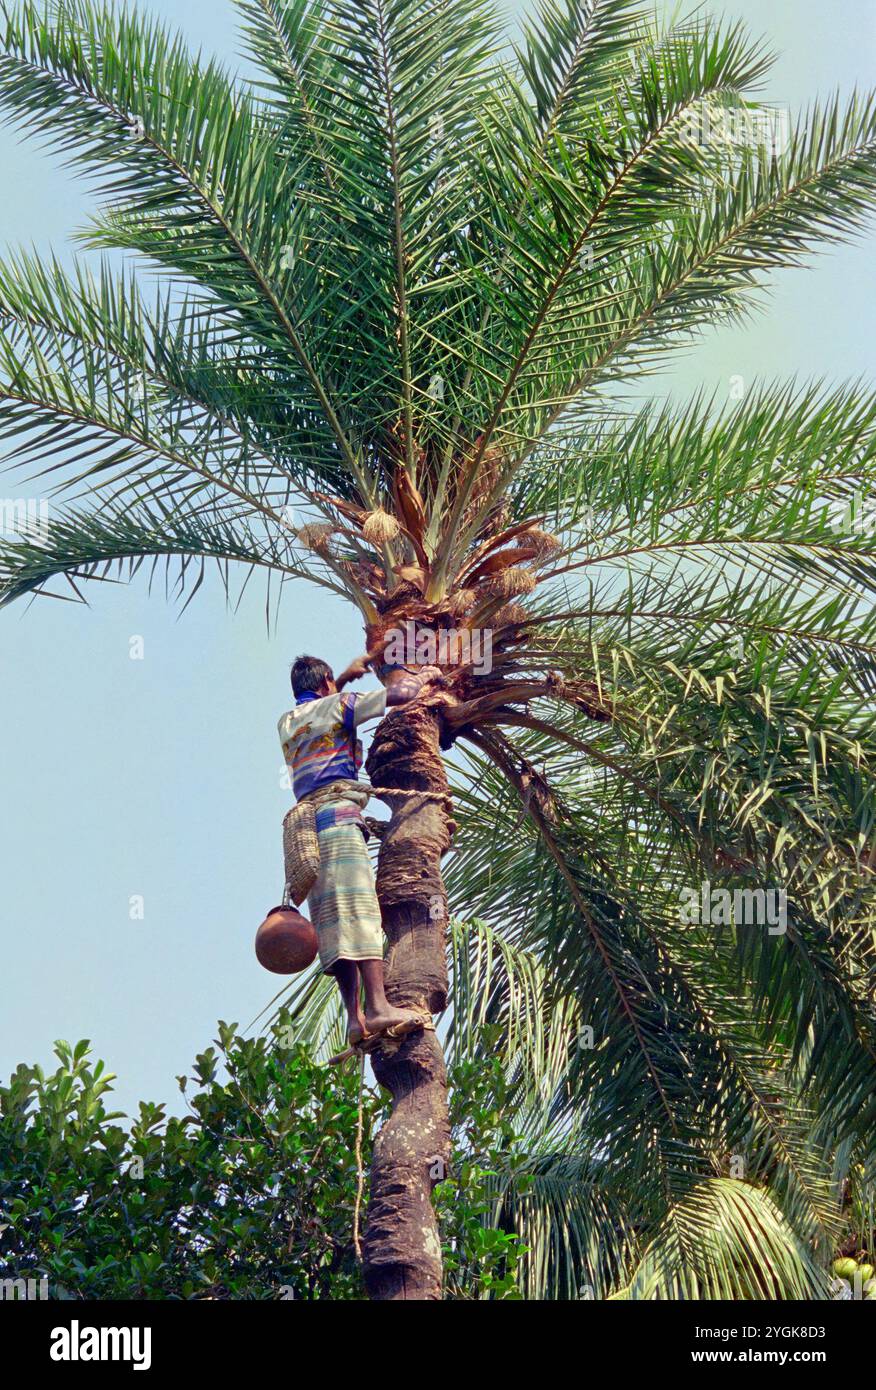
(407, 272)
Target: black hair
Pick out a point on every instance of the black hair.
(308, 674)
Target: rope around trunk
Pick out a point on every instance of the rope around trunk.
(383, 793)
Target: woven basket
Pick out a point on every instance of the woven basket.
(300, 851)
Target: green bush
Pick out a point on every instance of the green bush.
(248, 1196)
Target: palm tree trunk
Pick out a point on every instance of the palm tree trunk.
(401, 1246)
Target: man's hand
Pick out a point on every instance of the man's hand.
(406, 687)
(354, 672)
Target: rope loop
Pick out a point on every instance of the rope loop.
(384, 793)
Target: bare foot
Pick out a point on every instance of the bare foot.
(403, 1019)
(356, 1031)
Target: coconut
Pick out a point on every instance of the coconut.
(380, 526)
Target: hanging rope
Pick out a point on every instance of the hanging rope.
(360, 1171)
(363, 1049)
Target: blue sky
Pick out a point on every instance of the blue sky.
(160, 778)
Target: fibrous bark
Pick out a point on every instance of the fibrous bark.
(401, 1247)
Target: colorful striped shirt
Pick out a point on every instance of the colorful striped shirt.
(319, 737)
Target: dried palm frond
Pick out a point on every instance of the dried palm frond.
(410, 508)
(498, 561)
(494, 540)
(536, 792)
(347, 509)
(590, 701)
(413, 574)
(370, 577)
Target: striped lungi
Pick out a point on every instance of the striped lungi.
(343, 903)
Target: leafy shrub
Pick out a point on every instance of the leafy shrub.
(248, 1196)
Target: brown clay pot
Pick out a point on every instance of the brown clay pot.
(286, 941)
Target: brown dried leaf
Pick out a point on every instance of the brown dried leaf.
(413, 574)
(409, 506)
(501, 560)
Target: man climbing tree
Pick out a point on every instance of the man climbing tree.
(323, 754)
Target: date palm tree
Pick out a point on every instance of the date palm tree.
(409, 270)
